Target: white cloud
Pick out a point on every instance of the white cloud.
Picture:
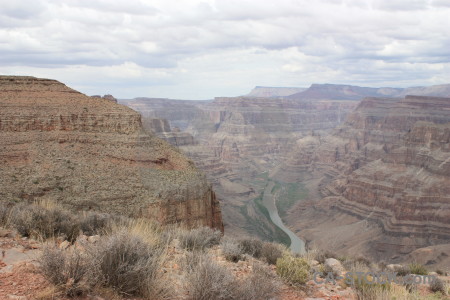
(201, 49)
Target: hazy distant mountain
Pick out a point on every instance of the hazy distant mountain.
(267, 92)
(350, 92)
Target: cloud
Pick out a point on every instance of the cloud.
(204, 48)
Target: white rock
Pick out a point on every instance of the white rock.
(333, 265)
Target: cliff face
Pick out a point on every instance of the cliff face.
(91, 153)
(388, 164)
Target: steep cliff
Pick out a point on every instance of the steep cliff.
(91, 153)
(388, 165)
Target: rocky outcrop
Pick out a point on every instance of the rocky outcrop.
(91, 153)
(161, 128)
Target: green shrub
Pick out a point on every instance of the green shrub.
(417, 269)
(372, 291)
(199, 238)
(294, 270)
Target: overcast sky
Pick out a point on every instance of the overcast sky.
(189, 49)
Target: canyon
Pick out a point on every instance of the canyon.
(90, 153)
(366, 177)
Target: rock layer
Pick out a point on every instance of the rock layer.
(388, 164)
(91, 153)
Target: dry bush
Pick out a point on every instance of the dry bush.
(438, 285)
(260, 285)
(93, 223)
(252, 247)
(206, 279)
(231, 250)
(41, 222)
(271, 252)
(321, 256)
(294, 270)
(129, 265)
(209, 280)
(70, 270)
(5, 214)
(199, 238)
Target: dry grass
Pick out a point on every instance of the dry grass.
(295, 270)
(199, 238)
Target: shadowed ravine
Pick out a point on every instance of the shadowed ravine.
(297, 244)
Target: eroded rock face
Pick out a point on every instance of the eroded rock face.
(91, 153)
(162, 129)
(237, 139)
(388, 164)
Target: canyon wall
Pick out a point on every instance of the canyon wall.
(311, 144)
(387, 164)
(91, 153)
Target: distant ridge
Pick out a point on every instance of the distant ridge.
(268, 92)
(351, 92)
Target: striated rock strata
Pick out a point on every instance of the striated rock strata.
(389, 165)
(91, 153)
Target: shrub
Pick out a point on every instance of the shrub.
(438, 285)
(209, 280)
(271, 252)
(231, 250)
(199, 238)
(252, 247)
(127, 264)
(37, 221)
(93, 223)
(358, 264)
(261, 284)
(294, 270)
(440, 272)
(69, 270)
(5, 213)
(371, 291)
(321, 256)
(206, 279)
(417, 269)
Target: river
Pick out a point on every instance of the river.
(297, 244)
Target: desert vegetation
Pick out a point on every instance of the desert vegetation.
(90, 253)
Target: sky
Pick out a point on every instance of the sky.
(200, 49)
